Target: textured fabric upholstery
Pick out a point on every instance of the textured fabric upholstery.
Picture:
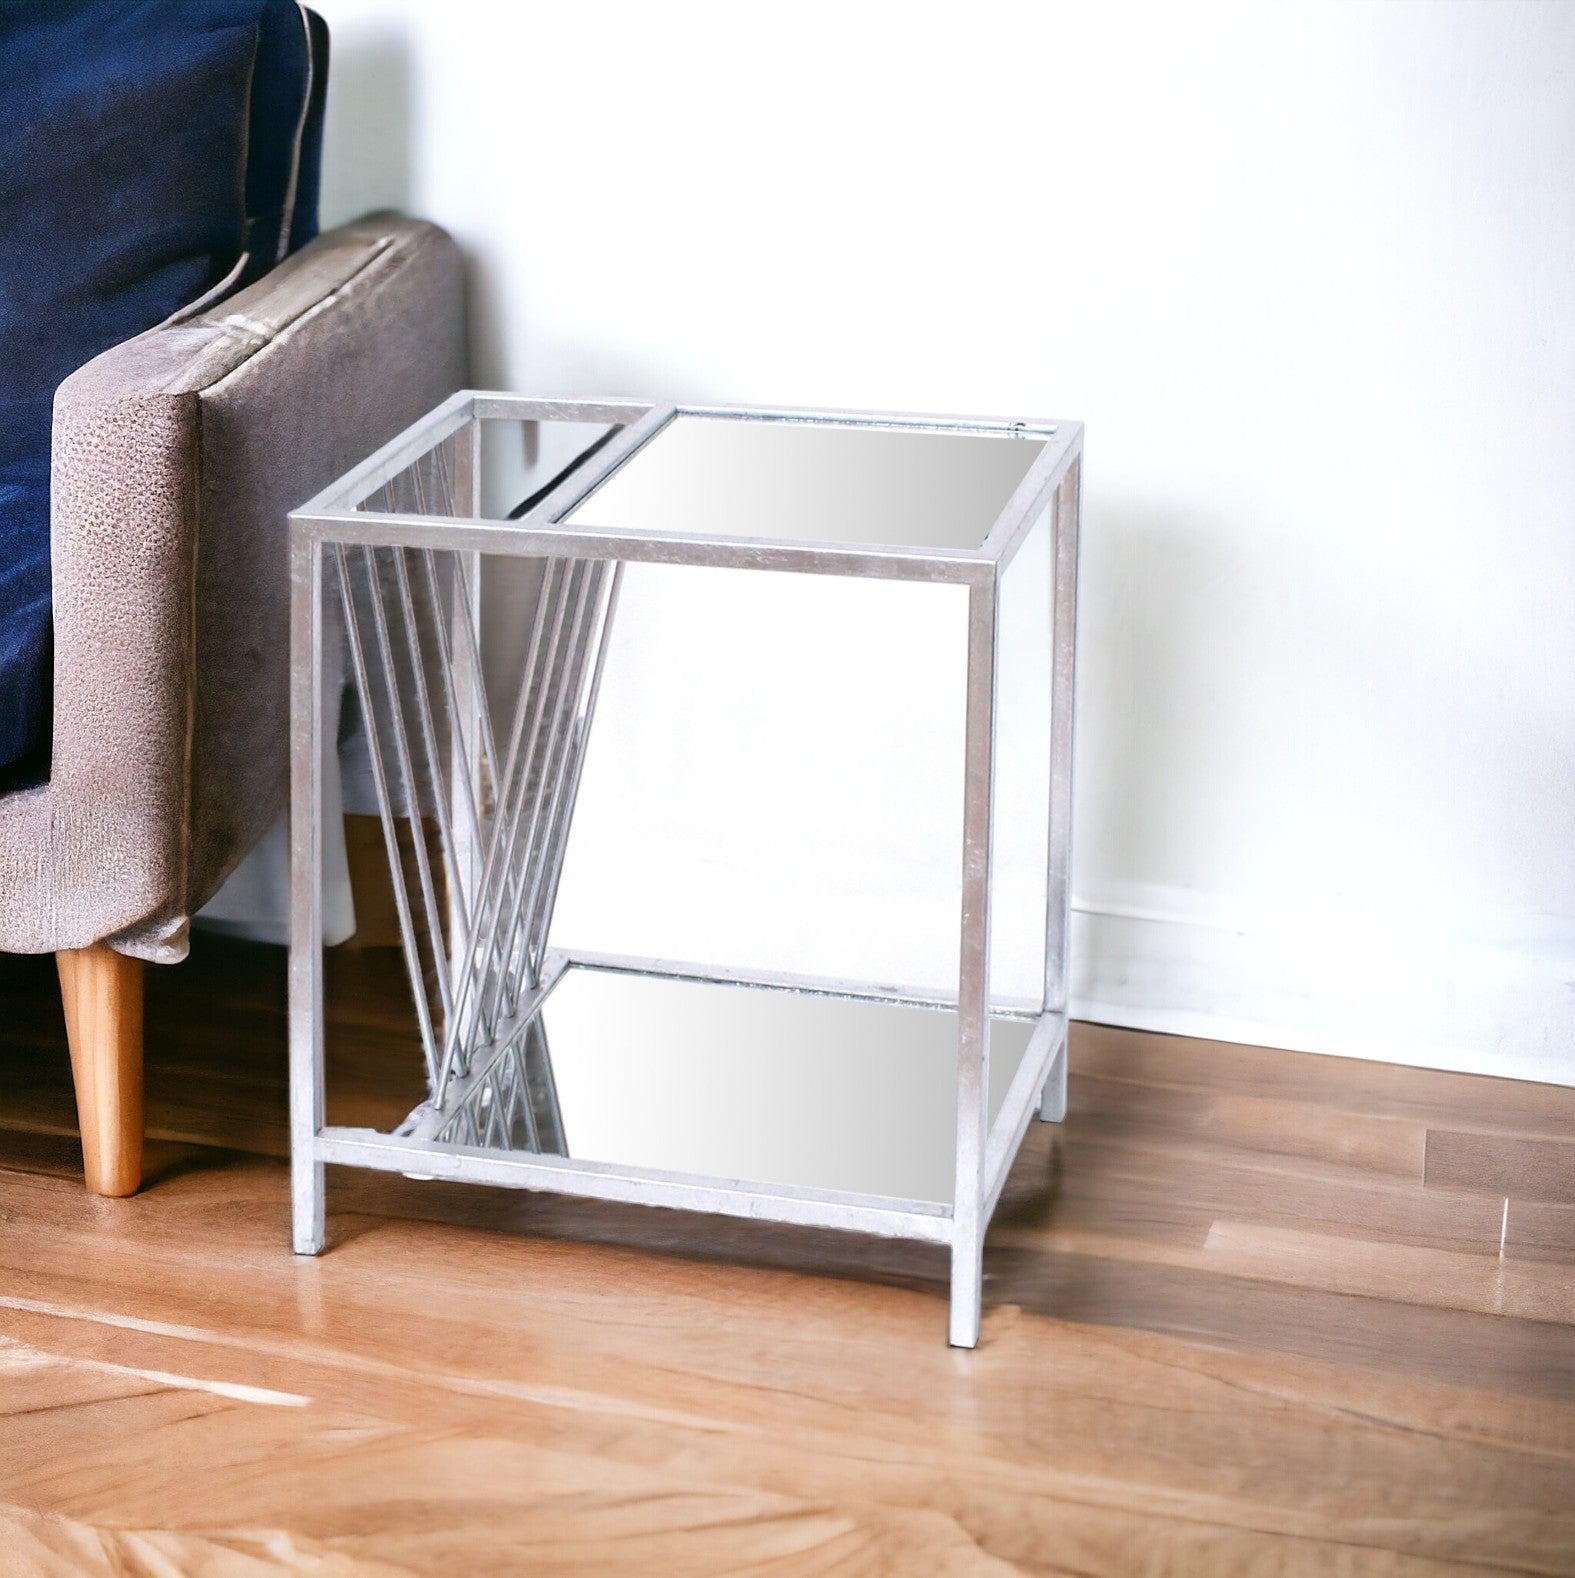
(145, 149)
(176, 457)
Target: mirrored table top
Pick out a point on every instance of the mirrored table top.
(812, 481)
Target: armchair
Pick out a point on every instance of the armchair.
(174, 458)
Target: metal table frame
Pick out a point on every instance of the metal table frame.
(984, 1152)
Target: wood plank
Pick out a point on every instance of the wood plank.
(1253, 1315)
(1399, 1272)
(1257, 1123)
(1517, 1166)
(1102, 1181)
(1228, 1331)
(1533, 1231)
(458, 1377)
(1428, 1096)
(55, 1547)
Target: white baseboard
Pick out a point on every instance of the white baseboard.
(1352, 985)
(1348, 983)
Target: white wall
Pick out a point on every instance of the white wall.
(1308, 274)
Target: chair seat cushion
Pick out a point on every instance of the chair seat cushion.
(146, 149)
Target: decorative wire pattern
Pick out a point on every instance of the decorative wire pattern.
(475, 902)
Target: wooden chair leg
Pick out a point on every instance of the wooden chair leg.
(102, 993)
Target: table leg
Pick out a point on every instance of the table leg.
(306, 907)
(1052, 1099)
(973, 1000)
(1063, 661)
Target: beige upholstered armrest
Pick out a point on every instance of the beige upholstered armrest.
(176, 459)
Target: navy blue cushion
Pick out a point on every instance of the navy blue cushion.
(144, 147)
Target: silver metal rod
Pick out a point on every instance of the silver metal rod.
(386, 463)
(556, 802)
(473, 748)
(522, 1087)
(1007, 426)
(843, 987)
(537, 1055)
(386, 811)
(434, 1121)
(499, 405)
(513, 1109)
(541, 925)
(494, 877)
(434, 766)
(1044, 1048)
(1063, 670)
(586, 478)
(402, 755)
(875, 1214)
(538, 773)
(306, 914)
(965, 566)
(482, 1107)
(560, 685)
(553, 835)
(1033, 493)
(467, 583)
(466, 767)
(512, 795)
(457, 470)
(973, 994)
(1052, 1095)
(414, 472)
(432, 1115)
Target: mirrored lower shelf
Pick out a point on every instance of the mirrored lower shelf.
(729, 1082)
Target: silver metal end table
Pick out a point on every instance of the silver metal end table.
(478, 761)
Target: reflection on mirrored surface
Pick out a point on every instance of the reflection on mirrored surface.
(499, 470)
(521, 462)
(763, 1086)
(802, 481)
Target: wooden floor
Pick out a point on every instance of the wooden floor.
(1247, 1312)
